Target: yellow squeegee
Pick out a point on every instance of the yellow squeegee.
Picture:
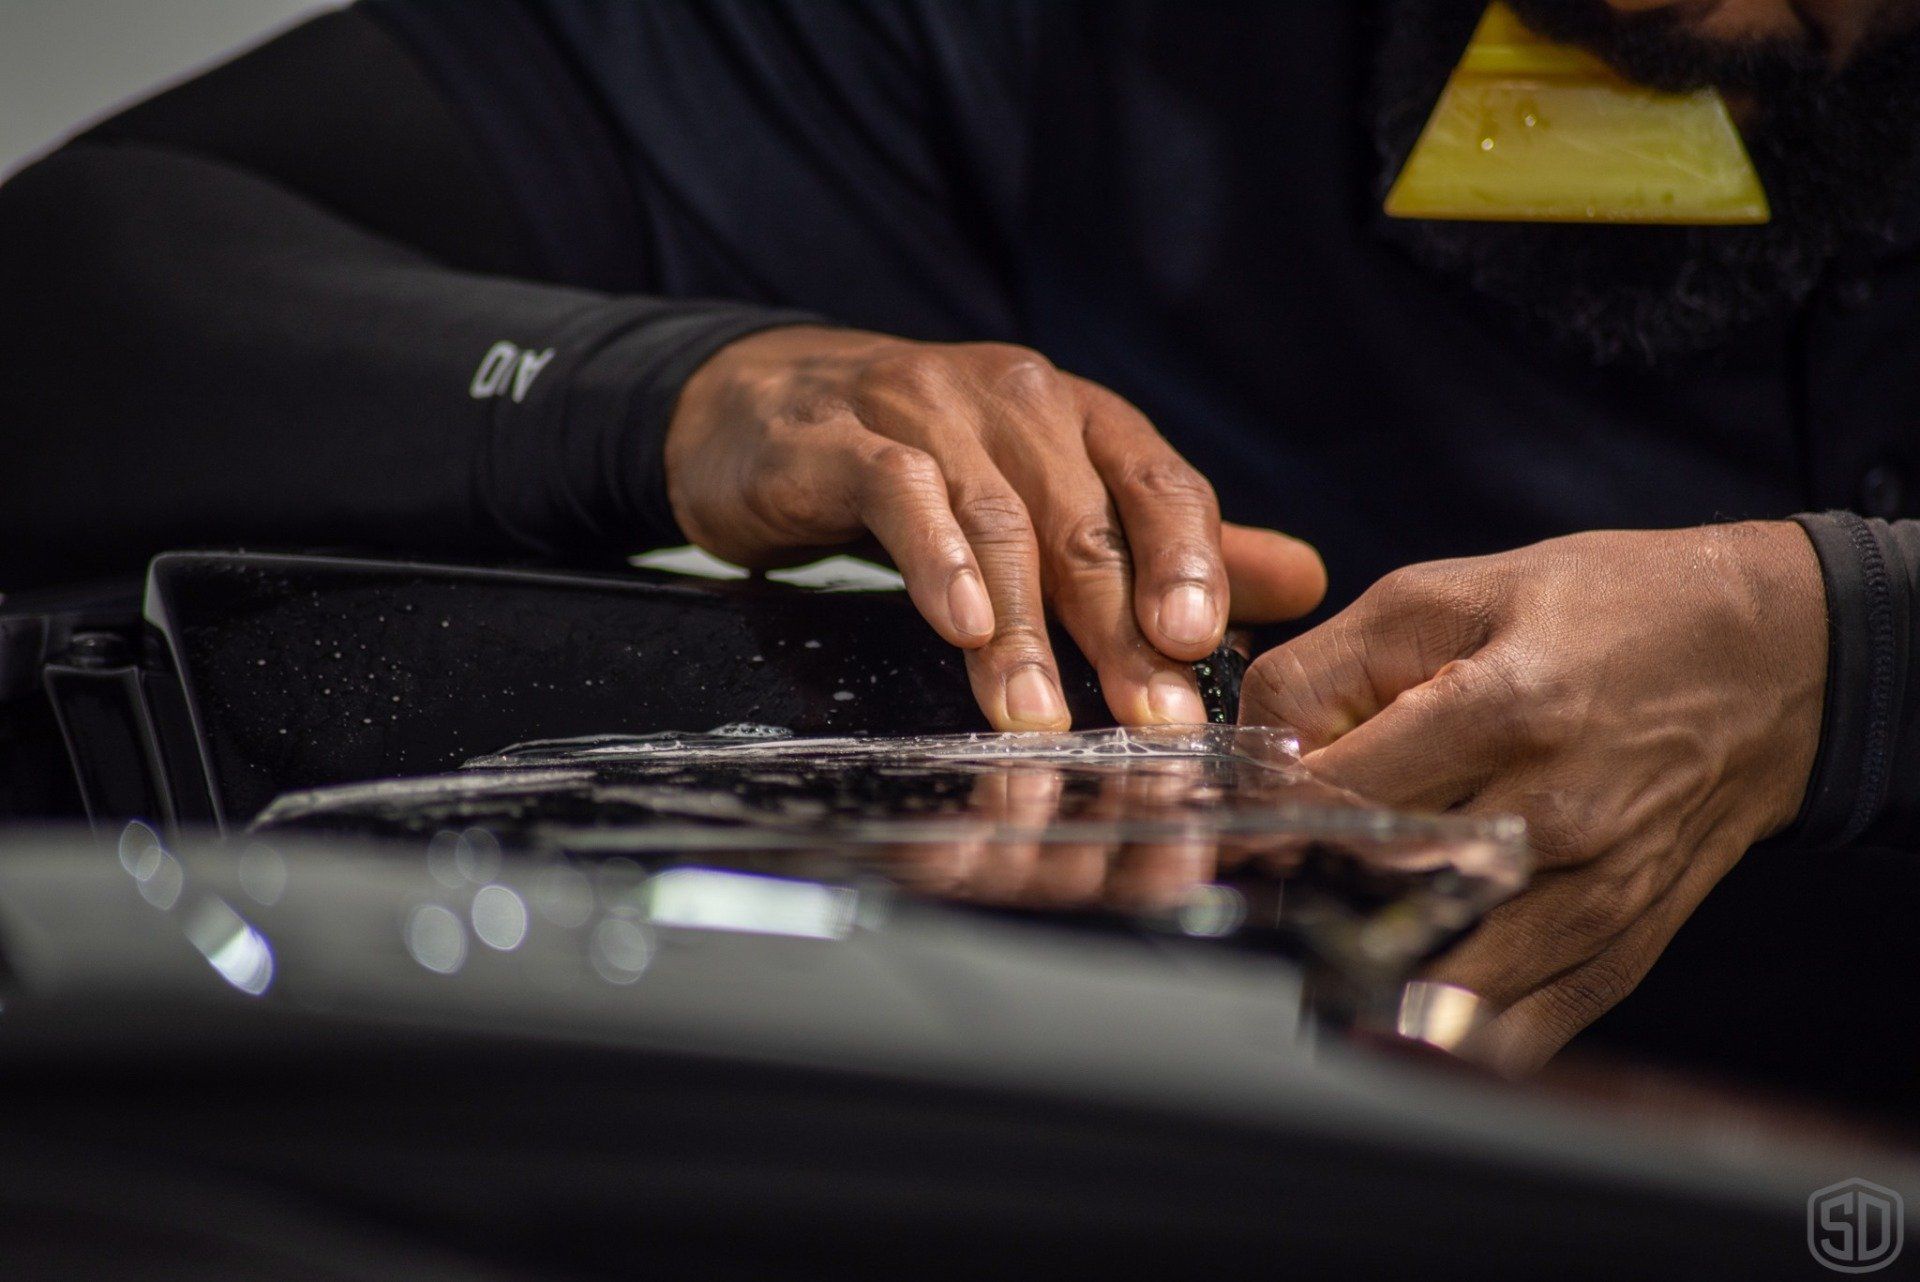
(1531, 131)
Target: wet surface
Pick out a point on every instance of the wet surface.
(1217, 830)
(306, 671)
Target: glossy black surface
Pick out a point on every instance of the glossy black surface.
(309, 670)
(292, 1058)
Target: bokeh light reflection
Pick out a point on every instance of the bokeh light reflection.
(263, 873)
(238, 952)
(564, 896)
(620, 950)
(437, 938)
(499, 917)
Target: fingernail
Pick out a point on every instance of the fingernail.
(1033, 699)
(1173, 699)
(1187, 615)
(969, 605)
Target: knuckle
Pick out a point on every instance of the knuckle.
(1017, 373)
(1168, 481)
(901, 467)
(1449, 593)
(1019, 641)
(1091, 542)
(1425, 584)
(1179, 561)
(782, 507)
(916, 374)
(811, 407)
(773, 491)
(1404, 582)
(994, 518)
(1008, 358)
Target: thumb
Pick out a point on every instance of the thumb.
(1337, 676)
(1271, 576)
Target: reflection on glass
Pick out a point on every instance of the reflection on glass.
(1211, 912)
(706, 899)
(155, 872)
(238, 952)
(437, 938)
(1215, 831)
(137, 842)
(1441, 1015)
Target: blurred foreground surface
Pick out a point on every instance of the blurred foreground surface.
(755, 1006)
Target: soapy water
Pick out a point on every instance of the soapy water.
(745, 742)
(1174, 820)
(752, 785)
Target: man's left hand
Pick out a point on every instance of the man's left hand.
(1649, 702)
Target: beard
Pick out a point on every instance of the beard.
(1838, 152)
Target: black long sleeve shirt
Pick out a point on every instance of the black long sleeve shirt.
(429, 274)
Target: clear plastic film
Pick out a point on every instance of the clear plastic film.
(1214, 830)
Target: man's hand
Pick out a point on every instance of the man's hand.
(1649, 702)
(998, 485)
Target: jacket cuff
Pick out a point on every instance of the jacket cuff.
(577, 464)
(1870, 599)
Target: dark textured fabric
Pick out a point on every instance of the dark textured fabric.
(227, 319)
(1866, 782)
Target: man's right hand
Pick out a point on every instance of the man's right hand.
(999, 485)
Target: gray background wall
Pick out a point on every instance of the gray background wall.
(66, 62)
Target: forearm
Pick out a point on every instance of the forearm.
(218, 328)
(193, 354)
(1866, 782)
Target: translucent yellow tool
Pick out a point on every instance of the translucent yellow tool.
(1531, 131)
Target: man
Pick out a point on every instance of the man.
(425, 275)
